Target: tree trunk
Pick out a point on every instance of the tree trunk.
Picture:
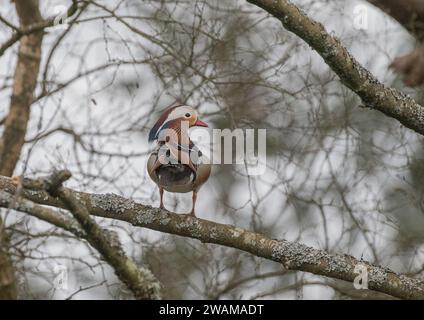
(15, 126)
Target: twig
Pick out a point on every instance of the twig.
(85, 288)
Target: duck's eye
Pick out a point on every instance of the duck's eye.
(187, 115)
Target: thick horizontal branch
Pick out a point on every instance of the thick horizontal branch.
(292, 255)
(373, 93)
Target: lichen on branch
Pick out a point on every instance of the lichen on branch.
(373, 93)
(291, 255)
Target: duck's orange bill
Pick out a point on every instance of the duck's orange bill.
(200, 123)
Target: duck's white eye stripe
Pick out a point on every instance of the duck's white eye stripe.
(179, 112)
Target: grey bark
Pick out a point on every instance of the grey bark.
(291, 255)
(15, 126)
(141, 281)
(374, 94)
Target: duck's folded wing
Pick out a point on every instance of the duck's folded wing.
(202, 174)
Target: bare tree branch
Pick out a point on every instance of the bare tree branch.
(35, 27)
(8, 23)
(373, 93)
(140, 281)
(292, 255)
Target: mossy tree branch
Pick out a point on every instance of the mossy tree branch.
(292, 255)
(139, 280)
(352, 74)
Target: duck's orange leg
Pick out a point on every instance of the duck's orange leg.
(161, 198)
(194, 203)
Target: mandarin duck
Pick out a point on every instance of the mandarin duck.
(176, 164)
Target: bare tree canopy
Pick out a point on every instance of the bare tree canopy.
(83, 82)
